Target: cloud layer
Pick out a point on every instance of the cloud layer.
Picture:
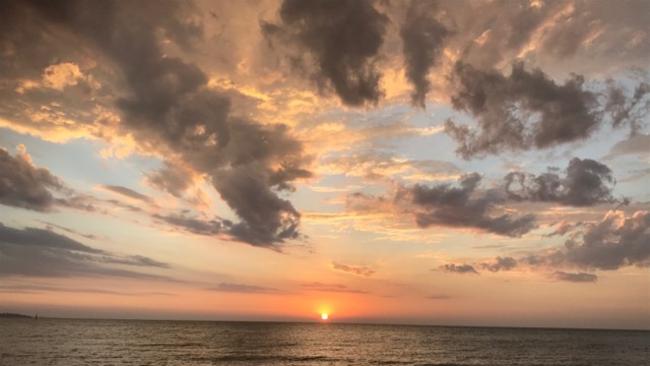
(167, 105)
(37, 252)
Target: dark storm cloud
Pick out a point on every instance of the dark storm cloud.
(458, 268)
(168, 108)
(575, 277)
(500, 264)
(614, 242)
(586, 183)
(521, 110)
(128, 192)
(466, 206)
(24, 185)
(342, 38)
(357, 270)
(423, 39)
(43, 253)
(244, 289)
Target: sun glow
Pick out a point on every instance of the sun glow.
(324, 316)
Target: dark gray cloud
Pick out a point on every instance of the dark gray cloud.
(518, 111)
(357, 270)
(266, 218)
(458, 268)
(330, 287)
(500, 264)
(193, 224)
(244, 289)
(26, 186)
(528, 109)
(43, 253)
(167, 106)
(128, 192)
(632, 109)
(575, 277)
(466, 206)
(614, 242)
(341, 37)
(423, 39)
(586, 183)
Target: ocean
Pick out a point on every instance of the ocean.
(69, 342)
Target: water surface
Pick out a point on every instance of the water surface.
(130, 342)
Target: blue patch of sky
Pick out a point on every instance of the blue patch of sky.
(79, 163)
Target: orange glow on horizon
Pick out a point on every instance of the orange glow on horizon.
(324, 316)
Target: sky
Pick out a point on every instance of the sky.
(425, 162)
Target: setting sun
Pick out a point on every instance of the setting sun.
(324, 316)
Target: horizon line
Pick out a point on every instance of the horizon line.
(330, 321)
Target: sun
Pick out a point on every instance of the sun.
(324, 316)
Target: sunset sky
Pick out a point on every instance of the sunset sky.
(448, 162)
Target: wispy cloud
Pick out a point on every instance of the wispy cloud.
(330, 287)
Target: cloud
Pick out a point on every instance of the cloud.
(522, 110)
(638, 144)
(438, 297)
(575, 277)
(466, 206)
(50, 225)
(564, 227)
(127, 192)
(463, 205)
(24, 185)
(378, 166)
(423, 39)
(342, 39)
(500, 264)
(586, 183)
(330, 287)
(357, 270)
(193, 224)
(244, 289)
(625, 109)
(559, 34)
(171, 178)
(614, 242)
(168, 108)
(458, 268)
(31, 288)
(37, 252)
